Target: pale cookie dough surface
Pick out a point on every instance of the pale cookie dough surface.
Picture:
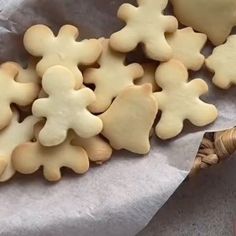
(215, 18)
(65, 108)
(187, 46)
(25, 75)
(10, 137)
(97, 149)
(128, 121)
(179, 100)
(149, 76)
(145, 24)
(62, 49)
(111, 77)
(11, 91)
(28, 157)
(222, 64)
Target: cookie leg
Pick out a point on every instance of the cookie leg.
(124, 41)
(203, 114)
(52, 134)
(168, 126)
(89, 127)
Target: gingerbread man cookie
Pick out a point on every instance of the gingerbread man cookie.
(128, 121)
(148, 76)
(10, 137)
(145, 24)
(111, 77)
(179, 100)
(98, 150)
(65, 108)
(28, 157)
(215, 18)
(222, 63)
(62, 49)
(187, 46)
(11, 91)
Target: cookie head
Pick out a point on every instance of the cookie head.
(58, 79)
(36, 39)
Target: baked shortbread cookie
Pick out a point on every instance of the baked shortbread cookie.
(215, 18)
(145, 24)
(187, 46)
(65, 108)
(111, 77)
(128, 121)
(29, 156)
(222, 63)
(13, 135)
(62, 49)
(179, 100)
(11, 91)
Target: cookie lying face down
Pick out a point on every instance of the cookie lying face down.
(128, 121)
(28, 157)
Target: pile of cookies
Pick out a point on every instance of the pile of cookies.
(69, 123)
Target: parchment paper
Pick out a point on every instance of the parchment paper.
(120, 197)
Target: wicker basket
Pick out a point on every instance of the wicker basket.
(215, 148)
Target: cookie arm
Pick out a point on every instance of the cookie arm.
(135, 70)
(198, 87)
(84, 97)
(88, 51)
(87, 125)
(171, 24)
(202, 113)
(125, 40)
(40, 107)
(25, 93)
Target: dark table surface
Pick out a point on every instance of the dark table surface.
(204, 205)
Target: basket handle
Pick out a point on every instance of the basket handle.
(214, 149)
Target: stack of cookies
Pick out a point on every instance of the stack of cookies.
(80, 99)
